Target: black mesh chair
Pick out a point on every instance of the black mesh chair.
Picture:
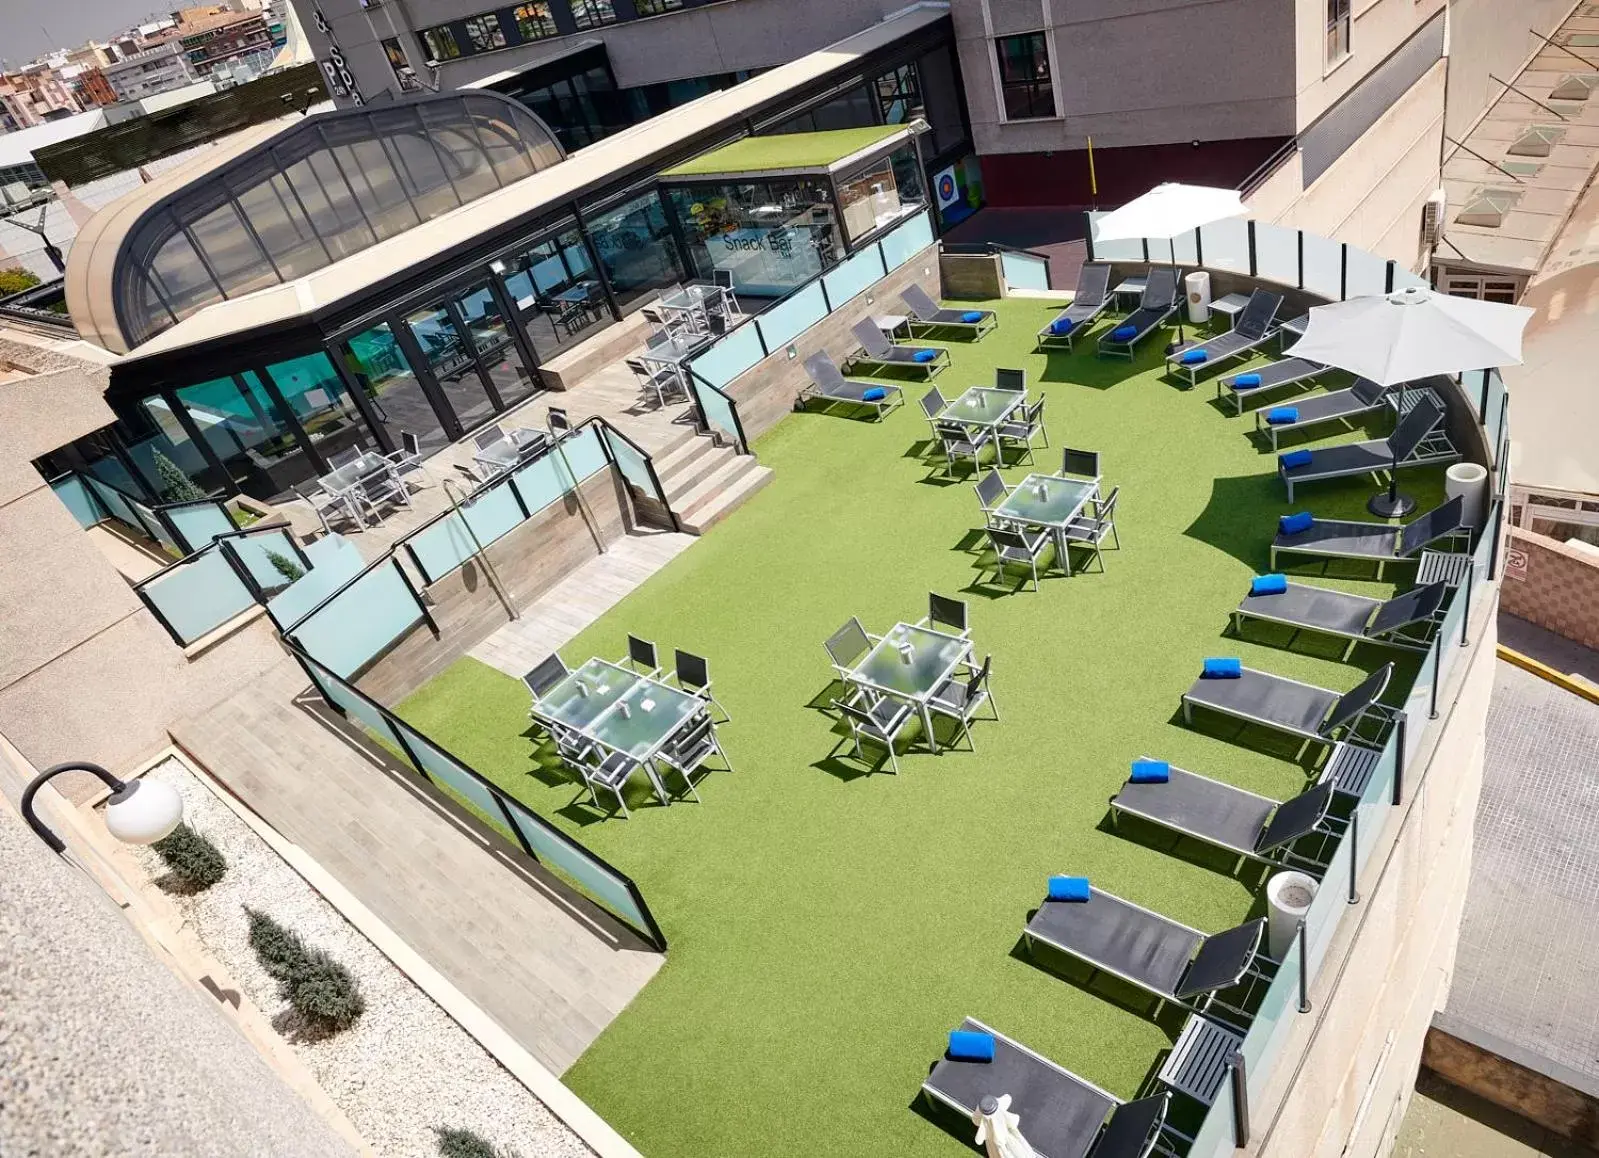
(545, 675)
(694, 675)
(1017, 548)
(1013, 380)
(488, 436)
(1079, 463)
(641, 654)
(942, 611)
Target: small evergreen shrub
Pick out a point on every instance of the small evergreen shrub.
(192, 858)
(285, 566)
(455, 1143)
(320, 990)
(176, 487)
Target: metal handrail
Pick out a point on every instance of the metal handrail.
(477, 549)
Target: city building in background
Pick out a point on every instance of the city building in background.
(153, 70)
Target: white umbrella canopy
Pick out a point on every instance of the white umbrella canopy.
(1168, 210)
(1412, 333)
(998, 1130)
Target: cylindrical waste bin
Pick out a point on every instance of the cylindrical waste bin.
(1288, 897)
(1468, 481)
(1197, 285)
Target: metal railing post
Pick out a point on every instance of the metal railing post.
(1437, 666)
(1354, 849)
(450, 491)
(1240, 1082)
(1471, 580)
(1399, 764)
(1304, 968)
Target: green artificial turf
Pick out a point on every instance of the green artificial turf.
(784, 151)
(829, 926)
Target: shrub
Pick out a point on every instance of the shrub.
(320, 990)
(280, 952)
(176, 487)
(15, 279)
(455, 1143)
(192, 858)
(285, 566)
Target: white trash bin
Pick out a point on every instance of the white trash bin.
(1288, 897)
(1197, 287)
(1468, 481)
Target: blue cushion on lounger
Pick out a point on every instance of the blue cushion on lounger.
(1222, 668)
(1268, 584)
(1068, 888)
(1246, 381)
(972, 316)
(1061, 326)
(969, 1045)
(1124, 333)
(873, 394)
(1296, 458)
(1282, 415)
(1151, 772)
(924, 355)
(1193, 357)
(1295, 523)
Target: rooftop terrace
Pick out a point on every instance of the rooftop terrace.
(829, 922)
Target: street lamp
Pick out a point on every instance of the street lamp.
(141, 812)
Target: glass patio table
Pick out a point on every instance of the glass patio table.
(911, 663)
(982, 406)
(1050, 502)
(586, 694)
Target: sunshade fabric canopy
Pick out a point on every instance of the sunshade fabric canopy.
(1168, 210)
(1412, 333)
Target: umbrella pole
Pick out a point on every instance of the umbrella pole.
(1392, 505)
(1171, 242)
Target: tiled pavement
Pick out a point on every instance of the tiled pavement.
(1528, 964)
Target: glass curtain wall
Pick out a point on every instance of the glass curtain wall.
(558, 295)
(394, 396)
(497, 355)
(635, 247)
(881, 192)
(452, 363)
(772, 236)
(322, 405)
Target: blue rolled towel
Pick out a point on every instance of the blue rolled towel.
(972, 316)
(1282, 415)
(1246, 381)
(924, 355)
(1068, 889)
(873, 394)
(1193, 357)
(1222, 668)
(1295, 523)
(1296, 458)
(1124, 333)
(1061, 326)
(1150, 772)
(1272, 584)
(970, 1045)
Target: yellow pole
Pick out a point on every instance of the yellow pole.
(1093, 181)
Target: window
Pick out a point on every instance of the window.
(1024, 83)
(634, 243)
(440, 43)
(1337, 30)
(534, 21)
(403, 73)
(592, 13)
(484, 32)
(898, 94)
(656, 7)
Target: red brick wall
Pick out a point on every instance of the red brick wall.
(1552, 585)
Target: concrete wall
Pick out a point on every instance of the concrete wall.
(765, 392)
(530, 560)
(1551, 1095)
(1491, 37)
(1557, 587)
(1377, 30)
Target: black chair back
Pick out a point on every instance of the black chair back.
(1035, 412)
(642, 652)
(549, 671)
(979, 677)
(1107, 505)
(1015, 380)
(1005, 539)
(946, 612)
(848, 643)
(717, 323)
(1093, 283)
(1258, 313)
(411, 444)
(990, 490)
(933, 403)
(488, 436)
(723, 278)
(692, 670)
(558, 422)
(1082, 463)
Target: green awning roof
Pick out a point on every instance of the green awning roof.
(785, 152)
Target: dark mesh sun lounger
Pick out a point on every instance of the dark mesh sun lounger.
(1154, 952)
(1157, 305)
(1379, 543)
(1252, 329)
(1415, 442)
(877, 350)
(1352, 617)
(1227, 817)
(829, 384)
(1062, 1115)
(924, 312)
(1274, 376)
(1361, 398)
(1286, 705)
(1090, 300)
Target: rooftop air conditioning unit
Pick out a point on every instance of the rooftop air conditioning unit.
(1432, 219)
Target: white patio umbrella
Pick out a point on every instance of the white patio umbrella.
(1407, 335)
(998, 1130)
(1167, 210)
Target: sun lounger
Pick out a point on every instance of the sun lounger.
(1157, 954)
(1363, 397)
(1158, 304)
(1090, 300)
(1379, 543)
(1416, 441)
(877, 350)
(922, 312)
(1061, 1114)
(1403, 621)
(1274, 376)
(829, 384)
(1313, 714)
(1252, 329)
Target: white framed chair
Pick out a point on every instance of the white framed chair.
(878, 720)
(687, 752)
(408, 459)
(328, 506)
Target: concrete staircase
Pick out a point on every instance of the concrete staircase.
(705, 482)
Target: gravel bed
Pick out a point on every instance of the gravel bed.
(405, 1067)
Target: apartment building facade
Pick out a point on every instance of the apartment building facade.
(158, 69)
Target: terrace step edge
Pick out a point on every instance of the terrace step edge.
(748, 477)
